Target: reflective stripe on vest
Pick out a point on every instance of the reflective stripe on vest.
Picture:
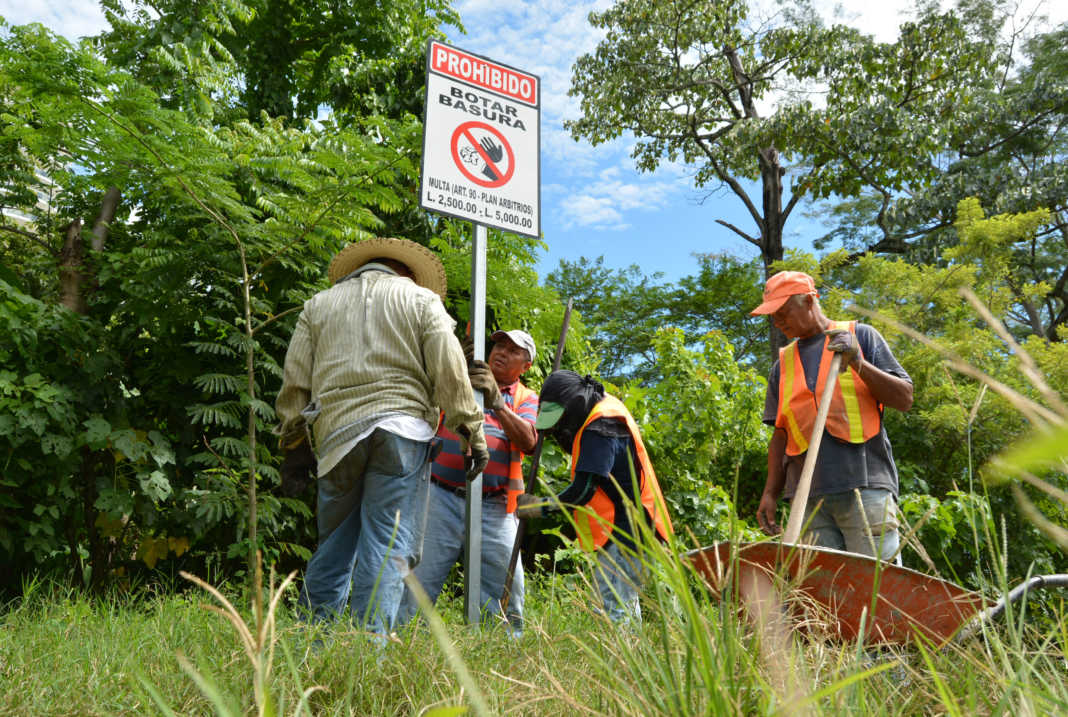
(854, 416)
(593, 530)
(515, 466)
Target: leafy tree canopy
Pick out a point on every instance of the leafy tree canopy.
(623, 309)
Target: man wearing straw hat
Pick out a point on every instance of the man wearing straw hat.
(852, 503)
(372, 361)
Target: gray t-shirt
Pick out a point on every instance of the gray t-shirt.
(841, 466)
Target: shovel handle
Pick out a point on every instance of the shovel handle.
(800, 501)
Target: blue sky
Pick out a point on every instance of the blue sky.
(593, 201)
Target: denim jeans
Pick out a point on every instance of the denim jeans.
(835, 521)
(371, 518)
(443, 546)
(619, 578)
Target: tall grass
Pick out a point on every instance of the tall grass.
(694, 654)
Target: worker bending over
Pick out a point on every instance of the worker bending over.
(611, 480)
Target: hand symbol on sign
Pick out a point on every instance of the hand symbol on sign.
(495, 152)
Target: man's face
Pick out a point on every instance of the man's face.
(796, 318)
(508, 361)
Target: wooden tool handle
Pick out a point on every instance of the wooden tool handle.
(800, 501)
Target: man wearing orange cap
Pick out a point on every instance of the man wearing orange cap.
(852, 502)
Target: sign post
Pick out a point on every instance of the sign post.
(482, 163)
(473, 512)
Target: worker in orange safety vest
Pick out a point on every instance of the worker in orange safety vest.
(852, 503)
(612, 480)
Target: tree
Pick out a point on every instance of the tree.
(1009, 151)
(691, 81)
(623, 309)
(285, 58)
(232, 224)
(701, 425)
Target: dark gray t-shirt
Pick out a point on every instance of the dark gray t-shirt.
(841, 465)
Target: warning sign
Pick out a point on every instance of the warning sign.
(481, 141)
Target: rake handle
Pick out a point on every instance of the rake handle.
(800, 501)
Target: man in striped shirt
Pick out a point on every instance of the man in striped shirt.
(511, 409)
(371, 361)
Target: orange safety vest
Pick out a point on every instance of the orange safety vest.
(593, 531)
(854, 416)
(516, 486)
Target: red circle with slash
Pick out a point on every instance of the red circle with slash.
(463, 132)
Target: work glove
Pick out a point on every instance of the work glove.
(529, 506)
(482, 380)
(476, 454)
(844, 342)
(299, 469)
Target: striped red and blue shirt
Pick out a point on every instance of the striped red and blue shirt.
(449, 465)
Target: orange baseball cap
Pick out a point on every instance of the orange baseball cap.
(781, 287)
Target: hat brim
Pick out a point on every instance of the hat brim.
(424, 264)
(549, 414)
(770, 306)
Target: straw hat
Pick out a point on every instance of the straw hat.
(424, 263)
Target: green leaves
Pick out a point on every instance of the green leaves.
(701, 425)
(224, 225)
(1040, 452)
(97, 431)
(155, 485)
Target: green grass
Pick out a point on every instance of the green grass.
(62, 653)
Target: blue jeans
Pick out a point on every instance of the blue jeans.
(443, 546)
(835, 521)
(371, 517)
(619, 578)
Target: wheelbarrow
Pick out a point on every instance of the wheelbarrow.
(853, 596)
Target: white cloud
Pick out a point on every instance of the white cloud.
(71, 18)
(585, 210)
(603, 202)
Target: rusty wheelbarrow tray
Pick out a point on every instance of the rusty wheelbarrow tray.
(854, 595)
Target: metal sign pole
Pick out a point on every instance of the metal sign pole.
(473, 514)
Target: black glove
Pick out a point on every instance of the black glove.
(299, 470)
(476, 454)
(482, 380)
(529, 506)
(844, 342)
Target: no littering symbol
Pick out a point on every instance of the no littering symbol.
(482, 154)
